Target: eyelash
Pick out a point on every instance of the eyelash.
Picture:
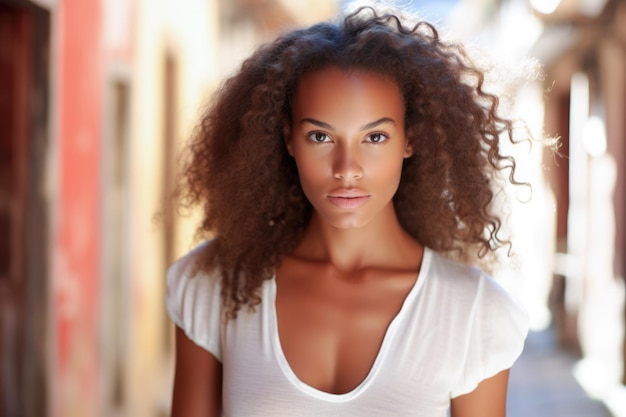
(311, 136)
(383, 137)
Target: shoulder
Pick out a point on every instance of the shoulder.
(190, 263)
(193, 299)
(489, 323)
(186, 279)
(451, 271)
(471, 286)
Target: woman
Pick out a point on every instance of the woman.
(336, 169)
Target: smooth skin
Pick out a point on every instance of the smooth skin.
(346, 280)
(197, 380)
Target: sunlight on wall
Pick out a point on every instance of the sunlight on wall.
(594, 136)
(533, 220)
(545, 6)
(592, 289)
(577, 215)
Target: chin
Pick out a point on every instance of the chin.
(346, 222)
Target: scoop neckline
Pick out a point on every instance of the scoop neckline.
(390, 333)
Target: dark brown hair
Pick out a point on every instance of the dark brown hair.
(239, 170)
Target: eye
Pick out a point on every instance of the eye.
(377, 137)
(318, 137)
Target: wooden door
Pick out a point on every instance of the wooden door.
(24, 43)
(14, 70)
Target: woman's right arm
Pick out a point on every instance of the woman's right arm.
(197, 381)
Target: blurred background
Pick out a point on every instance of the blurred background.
(97, 97)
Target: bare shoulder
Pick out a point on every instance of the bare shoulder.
(487, 400)
(197, 381)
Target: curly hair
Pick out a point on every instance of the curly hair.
(238, 168)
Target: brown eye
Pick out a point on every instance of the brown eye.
(377, 138)
(319, 137)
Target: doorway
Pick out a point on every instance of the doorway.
(24, 72)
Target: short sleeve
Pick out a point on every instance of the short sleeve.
(498, 328)
(193, 302)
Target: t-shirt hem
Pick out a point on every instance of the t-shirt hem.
(493, 372)
(205, 344)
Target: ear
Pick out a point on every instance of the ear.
(408, 150)
(287, 138)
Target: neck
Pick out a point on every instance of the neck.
(382, 243)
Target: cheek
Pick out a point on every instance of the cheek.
(387, 165)
(310, 171)
(387, 175)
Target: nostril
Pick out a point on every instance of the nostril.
(347, 164)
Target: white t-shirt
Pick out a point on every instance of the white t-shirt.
(456, 327)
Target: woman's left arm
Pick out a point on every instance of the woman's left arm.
(487, 400)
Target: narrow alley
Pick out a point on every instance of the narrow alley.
(542, 383)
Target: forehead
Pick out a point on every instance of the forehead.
(333, 91)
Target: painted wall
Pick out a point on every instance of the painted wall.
(129, 79)
(75, 249)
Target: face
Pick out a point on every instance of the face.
(348, 141)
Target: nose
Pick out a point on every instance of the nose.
(347, 164)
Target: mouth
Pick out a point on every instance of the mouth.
(348, 199)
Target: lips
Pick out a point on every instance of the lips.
(348, 198)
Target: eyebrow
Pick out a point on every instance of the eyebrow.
(367, 126)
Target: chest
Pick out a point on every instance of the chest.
(319, 349)
(330, 363)
(331, 329)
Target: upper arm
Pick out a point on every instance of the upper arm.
(197, 381)
(487, 400)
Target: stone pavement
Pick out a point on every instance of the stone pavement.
(542, 384)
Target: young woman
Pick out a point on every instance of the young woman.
(345, 173)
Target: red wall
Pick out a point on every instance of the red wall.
(76, 217)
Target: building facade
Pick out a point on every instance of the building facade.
(97, 98)
(583, 46)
